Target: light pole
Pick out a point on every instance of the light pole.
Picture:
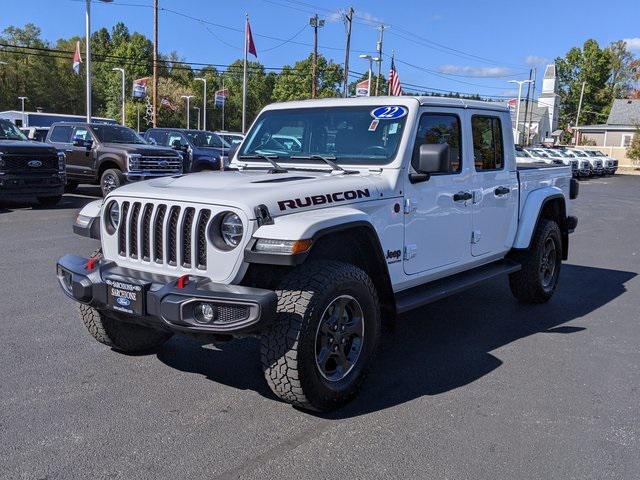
(520, 83)
(204, 103)
(187, 98)
(371, 59)
(121, 70)
(87, 34)
(22, 99)
(198, 110)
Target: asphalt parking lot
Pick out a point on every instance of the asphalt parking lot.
(474, 386)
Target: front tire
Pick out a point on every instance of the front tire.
(536, 281)
(107, 329)
(111, 179)
(318, 351)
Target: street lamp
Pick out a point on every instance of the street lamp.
(22, 99)
(371, 59)
(520, 83)
(204, 102)
(187, 98)
(87, 34)
(198, 110)
(121, 70)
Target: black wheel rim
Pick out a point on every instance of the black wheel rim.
(548, 263)
(339, 338)
(109, 183)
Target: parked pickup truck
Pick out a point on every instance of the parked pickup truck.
(386, 204)
(110, 155)
(29, 170)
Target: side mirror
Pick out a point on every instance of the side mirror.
(432, 158)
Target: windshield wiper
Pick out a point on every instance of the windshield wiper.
(328, 160)
(269, 158)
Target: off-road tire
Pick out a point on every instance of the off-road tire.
(111, 179)
(288, 346)
(526, 284)
(119, 335)
(49, 201)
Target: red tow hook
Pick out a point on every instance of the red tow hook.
(91, 264)
(182, 281)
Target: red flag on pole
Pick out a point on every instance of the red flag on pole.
(251, 47)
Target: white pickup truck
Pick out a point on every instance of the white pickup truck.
(382, 205)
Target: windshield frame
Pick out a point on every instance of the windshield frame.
(19, 137)
(405, 124)
(96, 128)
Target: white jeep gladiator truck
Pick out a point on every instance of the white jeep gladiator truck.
(382, 205)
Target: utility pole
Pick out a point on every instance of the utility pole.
(87, 57)
(204, 102)
(533, 93)
(579, 108)
(121, 70)
(526, 110)
(379, 50)
(155, 63)
(517, 130)
(316, 23)
(349, 19)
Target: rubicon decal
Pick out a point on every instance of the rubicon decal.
(323, 199)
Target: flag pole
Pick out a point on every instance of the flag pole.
(223, 102)
(244, 78)
(393, 55)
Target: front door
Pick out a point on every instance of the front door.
(437, 214)
(495, 189)
(81, 157)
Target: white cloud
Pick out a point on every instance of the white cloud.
(534, 60)
(632, 43)
(473, 71)
(338, 16)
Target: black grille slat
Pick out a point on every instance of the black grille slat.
(122, 231)
(187, 224)
(133, 231)
(146, 231)
(201, 255)
(158, 236)
(21, 162)
(172, 241)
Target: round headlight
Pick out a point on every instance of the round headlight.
(113, 216)
(231, 229)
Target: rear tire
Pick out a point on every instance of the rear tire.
(536, 281)
(319, 349)
(111, 179)
(125, 337)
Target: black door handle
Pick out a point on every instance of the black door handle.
(502, 191)
(462, 196)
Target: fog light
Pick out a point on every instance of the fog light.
(205, 313)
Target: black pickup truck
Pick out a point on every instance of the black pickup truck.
(29, 169)
(110, 155)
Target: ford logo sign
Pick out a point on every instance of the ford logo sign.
(35, 163)
(125, 302)
(164, 164)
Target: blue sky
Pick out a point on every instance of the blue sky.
(466, 46)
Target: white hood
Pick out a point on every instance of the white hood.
(282, 193)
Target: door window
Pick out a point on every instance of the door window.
(488, 151)
(82, 133)
(61, 134)
(439, 128)
(173, 136)
(159, 137)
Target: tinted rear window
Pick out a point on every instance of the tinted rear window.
(61, 134)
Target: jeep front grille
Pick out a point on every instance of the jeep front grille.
(163, 234)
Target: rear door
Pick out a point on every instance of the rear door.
(437, 221)
(495, 189)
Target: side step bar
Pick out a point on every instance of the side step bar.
(423, 294)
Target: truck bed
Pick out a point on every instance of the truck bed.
(533, 177)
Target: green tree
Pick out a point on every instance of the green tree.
(294, 83)
(591, 65)
(633, 150)
(622, 69)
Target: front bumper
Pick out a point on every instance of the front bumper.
(143, 175)
(239, 310)
(17, 186)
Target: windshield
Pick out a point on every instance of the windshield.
(579, 153)
(204, 139)
(116, 134)
(8, 131)
(540, 153)
(347, 135)
(522, 154)
(231, 139)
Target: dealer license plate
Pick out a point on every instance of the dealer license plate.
(125, 297)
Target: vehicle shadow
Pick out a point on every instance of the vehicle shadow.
(432, 350)
(78, 199)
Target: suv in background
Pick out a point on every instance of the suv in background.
(110, 155)
(203, 150)
(232, 138)
(609, 165)
(29, 169)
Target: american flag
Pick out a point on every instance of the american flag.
(394, 81)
